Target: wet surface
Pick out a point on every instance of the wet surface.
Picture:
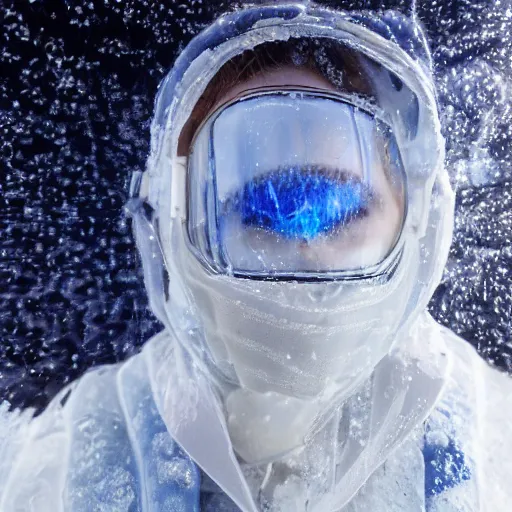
(76, 98)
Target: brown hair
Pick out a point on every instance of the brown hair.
(330, 59)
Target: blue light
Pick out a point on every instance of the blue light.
(300, 203)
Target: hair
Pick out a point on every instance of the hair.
(328, 58)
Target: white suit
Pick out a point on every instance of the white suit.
(103, 443)
(290, 396)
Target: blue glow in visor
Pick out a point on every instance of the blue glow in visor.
(300, 204)
(294, 182)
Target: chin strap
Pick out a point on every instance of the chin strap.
(146, 232)
(148, 243)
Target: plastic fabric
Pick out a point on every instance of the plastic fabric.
(271, 351)
(197, 374)
(131, 462)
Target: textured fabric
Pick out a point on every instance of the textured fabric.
(445, 463)
(102, 446)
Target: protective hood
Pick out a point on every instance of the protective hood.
(292, 366)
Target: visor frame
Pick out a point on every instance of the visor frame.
(219, 265)
(243, 29)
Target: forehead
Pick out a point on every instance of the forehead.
(318, 63)
(282, 76)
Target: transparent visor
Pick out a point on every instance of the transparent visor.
(294, 182)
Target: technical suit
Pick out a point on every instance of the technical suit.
(421, 428)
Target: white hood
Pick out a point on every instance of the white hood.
(304, 382)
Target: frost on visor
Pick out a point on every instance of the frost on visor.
(302, 236)
(303, 182)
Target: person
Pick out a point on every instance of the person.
(293, 222)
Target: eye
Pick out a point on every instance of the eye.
(302, 203)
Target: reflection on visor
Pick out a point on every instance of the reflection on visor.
(289, 182)
(300, 204)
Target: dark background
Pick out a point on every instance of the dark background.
(77, 83)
